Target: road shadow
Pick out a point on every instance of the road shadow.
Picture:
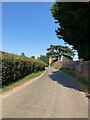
(65, 80)
(88, 96)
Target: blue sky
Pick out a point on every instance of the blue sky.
(28, 27)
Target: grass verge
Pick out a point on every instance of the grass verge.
(9, 87)
(56, 67)
(78, 77)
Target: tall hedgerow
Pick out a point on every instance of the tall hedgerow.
(15, 67)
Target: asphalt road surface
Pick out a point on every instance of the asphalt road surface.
(53, 95)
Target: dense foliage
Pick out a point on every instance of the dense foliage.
(15, 67)
(32, 57)
(58, 50)
(73, 25)
(44, 58)
(22, 54)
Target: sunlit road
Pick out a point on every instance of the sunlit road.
(53, 95)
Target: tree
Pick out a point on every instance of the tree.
(32, 57)
(44, 58)
(56, 51)
(22, 54)
(73, 21)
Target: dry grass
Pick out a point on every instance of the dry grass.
(78, 77)
(9, 87)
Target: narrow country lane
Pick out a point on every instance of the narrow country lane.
(53, 95)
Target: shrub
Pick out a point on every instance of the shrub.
(15, 67)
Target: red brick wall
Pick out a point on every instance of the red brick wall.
(58, 64)
(50, 61)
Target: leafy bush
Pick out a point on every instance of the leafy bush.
(15, 67)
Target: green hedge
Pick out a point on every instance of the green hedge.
(15, 67)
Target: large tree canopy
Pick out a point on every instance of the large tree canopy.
(72, 19)
(58, 50)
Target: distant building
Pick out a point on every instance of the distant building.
(58, 61)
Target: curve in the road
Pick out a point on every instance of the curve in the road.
(54, 95)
